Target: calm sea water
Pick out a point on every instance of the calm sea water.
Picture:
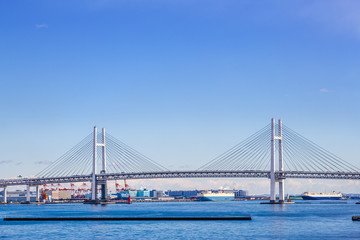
(305, 219)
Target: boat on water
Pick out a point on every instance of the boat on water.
(321, 196)
(215, 196)
(295, 198)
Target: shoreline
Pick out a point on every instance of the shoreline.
(118, 201)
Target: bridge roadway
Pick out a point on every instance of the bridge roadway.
(181, 174)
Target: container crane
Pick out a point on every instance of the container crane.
(117, 186)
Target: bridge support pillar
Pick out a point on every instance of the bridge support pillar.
(27, 193)
(281, 164)
(103, 171)
(37, 193)
(272, 164)
(281, 191)
(103, 185)
(94, 182)
(5, 194)
(273, 177)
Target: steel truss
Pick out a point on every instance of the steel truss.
(181, 174)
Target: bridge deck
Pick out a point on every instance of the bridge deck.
(181, 174)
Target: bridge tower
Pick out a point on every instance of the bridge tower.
(94, 182)
(273, 177)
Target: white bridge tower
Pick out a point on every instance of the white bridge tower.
(273, 177)
(94, 182)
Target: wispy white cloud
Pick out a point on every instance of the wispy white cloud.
(5, 161)
(43, 162)
(184, 167)
(41, 25)
(325, 90)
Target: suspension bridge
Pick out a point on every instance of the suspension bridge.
(275, 152)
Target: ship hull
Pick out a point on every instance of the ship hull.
(321, 198)
(215, 198)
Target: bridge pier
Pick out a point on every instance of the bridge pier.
(37, 193)
(94, 192)
(281, 191)
(5, 194)
(27, 193)
(103, 185)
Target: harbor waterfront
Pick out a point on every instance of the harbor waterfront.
(65, 170)
(180, 120)
(276, 219)
(304, 219)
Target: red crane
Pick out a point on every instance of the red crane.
(43, 195)
(117, 186)
(126, 186)
(72, 188)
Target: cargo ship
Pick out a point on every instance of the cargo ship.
(321, 196)
(215, 196)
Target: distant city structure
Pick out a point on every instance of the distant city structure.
(241, 194)
(17, 196)
(59, 195)
(142, 195)
(193, 193)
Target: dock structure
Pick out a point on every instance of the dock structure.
(130, 219)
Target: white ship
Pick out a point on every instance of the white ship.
(215, 196)
(321, 196)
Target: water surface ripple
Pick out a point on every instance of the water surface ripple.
(305, 219)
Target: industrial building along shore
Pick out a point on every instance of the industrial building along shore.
(71, 195)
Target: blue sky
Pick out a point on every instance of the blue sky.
(180, 81)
